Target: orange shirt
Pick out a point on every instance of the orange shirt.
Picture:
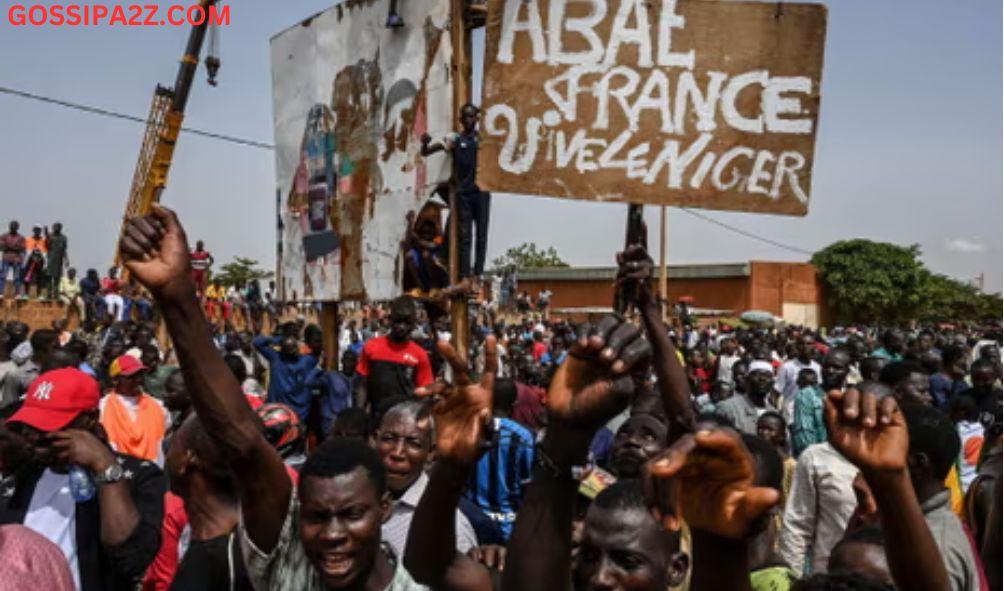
(40, 244)
(135, 425)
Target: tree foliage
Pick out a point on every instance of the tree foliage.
(882, 283)
(528, 256)
(240, 271)
(871, 282)
(948, 300)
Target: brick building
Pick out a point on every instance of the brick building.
(789, 290)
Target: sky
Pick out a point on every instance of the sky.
(909, 146)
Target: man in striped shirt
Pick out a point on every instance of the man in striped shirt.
(499, 479)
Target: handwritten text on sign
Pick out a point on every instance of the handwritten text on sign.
(680, 102)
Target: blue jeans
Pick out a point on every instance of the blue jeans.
(5, 267)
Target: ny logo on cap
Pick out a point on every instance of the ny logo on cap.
(44, 391)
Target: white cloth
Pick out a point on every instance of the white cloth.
(116, 306)
(725, 363)
(787, 384)
(395, 529)
(820, 504)
(52, 512)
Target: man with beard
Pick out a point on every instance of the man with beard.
(743, 409)
(809, 426)
(110, 538)
(405, 442)
(393, 364)
(325, 534)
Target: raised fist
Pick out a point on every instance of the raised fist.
(155, 251)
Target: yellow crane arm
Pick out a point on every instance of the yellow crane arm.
(162, 128)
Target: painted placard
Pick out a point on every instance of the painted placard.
(351, 99)
(701, 103)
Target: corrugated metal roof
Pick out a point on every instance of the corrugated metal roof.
(609, 273)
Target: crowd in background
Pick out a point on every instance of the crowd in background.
(604, 455)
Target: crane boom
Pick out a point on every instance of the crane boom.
(167, 112)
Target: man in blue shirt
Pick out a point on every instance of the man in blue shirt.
(334, 394)
(499, 479)
(289, 372)
(950, 380)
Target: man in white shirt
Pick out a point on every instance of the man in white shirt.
(728, 355)
(819, 506)
(404, 441)
(787, 379)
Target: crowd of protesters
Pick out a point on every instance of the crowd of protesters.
(34, 264)
(620, 454)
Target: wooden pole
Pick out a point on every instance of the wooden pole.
(461, 68)
(329, 334)
(663, 271)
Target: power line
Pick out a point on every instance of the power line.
(127, 117)
(256, 144)
(745, 233)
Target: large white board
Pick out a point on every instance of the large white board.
(351, 98)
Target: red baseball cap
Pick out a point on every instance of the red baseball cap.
(57, 397)
(125, 365)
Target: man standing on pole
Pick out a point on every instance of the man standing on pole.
(473, 205)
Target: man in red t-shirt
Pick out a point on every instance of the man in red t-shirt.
(201, 261)
(393, 365)
(539, 346)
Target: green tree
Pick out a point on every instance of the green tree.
(945, 299)
(240, 271)
(872, 282)
(528, 256)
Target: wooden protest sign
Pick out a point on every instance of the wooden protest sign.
(675, 102)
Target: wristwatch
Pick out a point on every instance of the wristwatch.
(111, 474)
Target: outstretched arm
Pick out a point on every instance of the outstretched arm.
(592, 385)
(674, 387)
(872, 434)
(156, 253)
(429, 147)
(463, 421)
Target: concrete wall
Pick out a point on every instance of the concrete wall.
(791, 287)
(728, 293)
(769, 286)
